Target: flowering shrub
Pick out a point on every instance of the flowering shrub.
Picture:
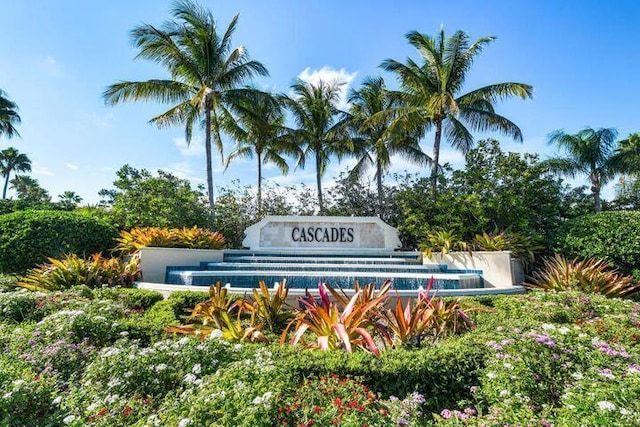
(127, 375)
(332, 401)
(242, 394)
(26, 399)
(91, 357)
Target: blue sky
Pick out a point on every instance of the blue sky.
(57, 57)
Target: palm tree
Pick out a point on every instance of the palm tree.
(69, 199)
(206, 74)
(12, 161)
(29, 189)
(8, 116)
(432, 93)
(259, 129)
(589, 152)
(321, 129)
(380, 140)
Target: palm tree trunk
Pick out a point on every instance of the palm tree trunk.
(379, 179)
(6, 185)
(319, 181)
(436, 159)
(259, 155)
(207, 143)
(595, 191)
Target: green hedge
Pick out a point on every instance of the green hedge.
(132, 298)
(613, 236)
(27, 238)
(441, 372)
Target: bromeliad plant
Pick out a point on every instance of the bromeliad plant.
(443, 242)
(339, 325)
(193, 238)
(590, 275)
(72, 270)
(270, 309)
(221, 313)
(430, 317)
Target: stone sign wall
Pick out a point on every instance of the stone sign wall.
(281, 232)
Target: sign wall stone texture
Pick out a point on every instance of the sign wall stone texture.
(341, 233)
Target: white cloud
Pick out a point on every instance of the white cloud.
(195, 148)
(330, 75)
(71, 166)
(50, 66)
(42, 170)
(184, 170)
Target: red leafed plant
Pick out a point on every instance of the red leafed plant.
(428, 317)
(344, 324)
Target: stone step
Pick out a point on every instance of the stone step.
(310, 279)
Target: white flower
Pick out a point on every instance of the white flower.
(508, 365)
(504, 393)
(183, 341)
(625, 411)
(57, 400)
(197, 368)
(68, 419)
(184, 422)
(161, 367)
(548, 326)
(237, 347)
(605, 405)
(7, 395)
(564, 330)
(190, 378)
(215, 334)
(492, 374)
(124, 334)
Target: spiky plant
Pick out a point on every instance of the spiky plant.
(586, 275)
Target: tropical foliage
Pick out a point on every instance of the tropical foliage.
(12, 161)
(9, 116)
(142, 199)
(432, 93)
(589, 152)
(260, 130)
(346, 326)
(193, 238)
(72, 270)
(65, 355)
(320, 127)
(206, 74)
(379, 139)
(589, 275)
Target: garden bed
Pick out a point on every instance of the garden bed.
(100, 357)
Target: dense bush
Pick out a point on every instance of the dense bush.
(613, 236)
(27, 238)
(136, 299)
(141, 199)
(442, 373)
